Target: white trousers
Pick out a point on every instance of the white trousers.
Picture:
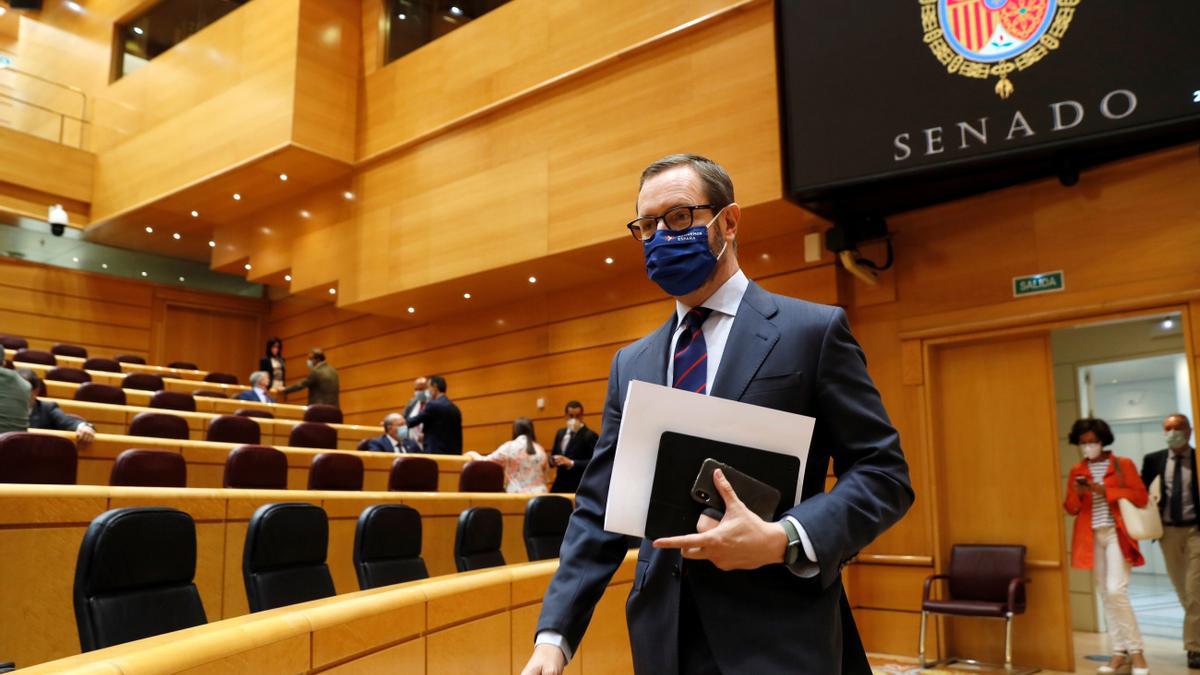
(1110, 573)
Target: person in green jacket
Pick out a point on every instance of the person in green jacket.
(14, 401)
(321, 381)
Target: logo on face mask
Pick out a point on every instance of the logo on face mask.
(681, 263)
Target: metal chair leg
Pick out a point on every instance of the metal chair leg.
(921, 646)
(1008, 660)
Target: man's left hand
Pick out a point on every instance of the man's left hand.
(84, 434)
(739, 541)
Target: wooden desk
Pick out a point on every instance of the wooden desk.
(206, 461)
(76, 362)
(221, 406)
(115, 419)
(41, 527)
(115, 379)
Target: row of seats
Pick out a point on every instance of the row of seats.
(41, 458)
(91, 392)
(19, 343)
(134, 577)
(138, 381)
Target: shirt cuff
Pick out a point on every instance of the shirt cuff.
(551, 637)
(81, 425)
(804, 568)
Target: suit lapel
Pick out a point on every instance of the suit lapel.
(751, 339)
(650, 365)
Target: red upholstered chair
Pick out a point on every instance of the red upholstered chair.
(94, 392)
(321, 412)
(173, 400)
(256, 467)
(336, 471)
(159, 425)
(105, 365)
(234, 429)
(37, 458)
(143, 382)
(62, 349)
(984, 581)
(68, 375)
(209, 393)
(149, 468)
(130, 358)
(13, 342)
(35, 356)
(413, 474)
(313, 435)
(481, 476)
(254, 412)
(221, 378)
(182, 365)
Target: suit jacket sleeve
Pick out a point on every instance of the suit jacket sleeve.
(873, 489)
(587, 448)
(423, 416)
(589, 555)
(1149, 469)
(62, 421)
(308, 381)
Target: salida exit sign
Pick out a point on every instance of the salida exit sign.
(1047, 282)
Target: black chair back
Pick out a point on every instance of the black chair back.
(134, 576)
(477, 540)
(546, 518)
(387, 546)
(982, 572)
(283, 561)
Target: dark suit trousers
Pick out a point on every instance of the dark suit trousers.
(695, 657)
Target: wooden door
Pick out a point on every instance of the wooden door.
(996, 464)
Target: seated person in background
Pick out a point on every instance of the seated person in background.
(47, 414)
(526, 467)
(14, 401)
(393, 439)
(258, 388)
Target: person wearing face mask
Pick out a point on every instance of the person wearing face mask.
(321, 381)
(743, 595)
(415, 405)
(440, 419)
(392, 440)
(259, 381)
(573, 448)
(1175, 469)
(1100, 542)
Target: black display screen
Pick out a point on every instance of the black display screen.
(887, 105)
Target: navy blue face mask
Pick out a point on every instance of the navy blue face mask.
(680, 262)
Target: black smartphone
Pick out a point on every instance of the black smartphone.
(1081, 480)
(758, 496)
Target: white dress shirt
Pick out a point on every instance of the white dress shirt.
(724, 303)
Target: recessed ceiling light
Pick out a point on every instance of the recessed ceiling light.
(149, 230)
(333, 291)
(181, 278)
(145, 274)
(411, 310)
(766, 256)
(456, 11)
(73, 6)
(104, 265)
(3, 11)
(138, 30)
(237, 197)
(608, 261)
(533, 280)
(287, 277)
(401, 16)
(74, 259)
(348, 194)
(283, 176)
(176, 236)
(466, 296)
(195, 214)
(212, 244)
(247, 266)
(304, 213)
(1168, 324)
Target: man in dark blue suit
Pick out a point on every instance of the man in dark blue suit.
(743, 595)
(259, 380)
(392, 439)
(441, 420)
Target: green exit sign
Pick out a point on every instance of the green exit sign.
(1033, 284)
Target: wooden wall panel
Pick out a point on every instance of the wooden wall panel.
(326, 93)
(110, 316)
(45, 166)
(201, 335)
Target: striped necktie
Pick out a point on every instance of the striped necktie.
(691, 354)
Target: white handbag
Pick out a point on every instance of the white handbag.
(1145, 522)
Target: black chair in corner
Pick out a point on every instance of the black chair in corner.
(546, 518)
(134, 576)
(283, 561)
(387, 546)
(477, 540)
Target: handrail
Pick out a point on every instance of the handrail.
(62, 118)
(70, 88)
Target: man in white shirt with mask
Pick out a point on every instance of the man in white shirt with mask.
(258, 388)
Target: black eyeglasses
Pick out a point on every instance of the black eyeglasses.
(676, 219)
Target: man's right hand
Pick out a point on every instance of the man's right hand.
(546, 660)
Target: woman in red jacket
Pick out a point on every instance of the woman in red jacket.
(1101, 542)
